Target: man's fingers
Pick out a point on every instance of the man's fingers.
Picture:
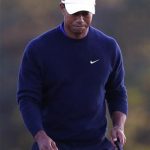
(113, 140)
(121, 137)
(113, 137)
(117, 134)
(54, 145)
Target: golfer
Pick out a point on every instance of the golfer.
(68, 75)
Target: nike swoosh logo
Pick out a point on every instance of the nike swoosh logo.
(93, 62)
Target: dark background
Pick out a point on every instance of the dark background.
(126, 20)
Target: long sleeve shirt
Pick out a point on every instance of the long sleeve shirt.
(64, 85)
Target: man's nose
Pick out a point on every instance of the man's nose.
(81, 18)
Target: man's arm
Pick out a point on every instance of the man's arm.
(117, 131)
(29, 97)
(116, 96)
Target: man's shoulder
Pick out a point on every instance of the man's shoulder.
(101, 35)
(43, 41)
(106, 41)
(47, 35)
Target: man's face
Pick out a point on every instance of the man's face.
(77, 24)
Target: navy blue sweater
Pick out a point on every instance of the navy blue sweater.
(63, 85)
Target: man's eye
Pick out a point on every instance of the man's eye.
(83, 13)
(76, 14)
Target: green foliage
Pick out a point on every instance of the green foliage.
(126, 20)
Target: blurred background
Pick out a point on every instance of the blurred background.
(126, 20)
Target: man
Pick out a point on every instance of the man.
(65, 77)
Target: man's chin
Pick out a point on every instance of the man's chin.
(80, 30)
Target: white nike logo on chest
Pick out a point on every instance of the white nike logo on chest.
(94, 61)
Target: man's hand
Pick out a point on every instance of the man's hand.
(117, 133)
(45, 142)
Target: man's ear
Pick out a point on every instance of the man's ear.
(62, 8)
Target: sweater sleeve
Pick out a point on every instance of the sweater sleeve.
(29, 94)
(116, 93)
